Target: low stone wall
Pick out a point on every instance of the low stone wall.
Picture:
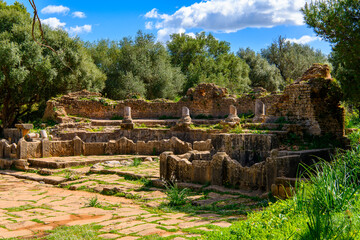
(222, 170)
(138, 135)
(77, 147)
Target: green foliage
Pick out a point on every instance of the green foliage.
(291, 59)
(174, 194)
(31, 74)
(352, 119)
(136, 162)
(205, 59)
(338, 22)
(237, 129)
(261, 74)
(137, 68)
(93, 202)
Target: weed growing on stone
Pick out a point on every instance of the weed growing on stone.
(174, 194)
(93, 202)
(136, 162)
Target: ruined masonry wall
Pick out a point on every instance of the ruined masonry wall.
(206, 99)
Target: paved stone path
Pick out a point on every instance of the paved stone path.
(29, 208)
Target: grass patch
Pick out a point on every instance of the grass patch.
(83, 232)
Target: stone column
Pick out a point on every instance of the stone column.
(232, 118)
(127, 123)
(127, 115)
(259, 111)
(185, 121)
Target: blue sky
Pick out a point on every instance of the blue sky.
(243, 23)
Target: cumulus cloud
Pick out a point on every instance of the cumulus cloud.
(229, 15)
(79, 29)
(304, 39)
(53, 22)
(55, 9)
(78, 14)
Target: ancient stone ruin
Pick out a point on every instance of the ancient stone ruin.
(208, 137)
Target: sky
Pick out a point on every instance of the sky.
(242, 23)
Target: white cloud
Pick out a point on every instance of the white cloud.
(55, 9)
(229, 15)
(53, 22)
(304, 39)
(78, 14)
(79, 29)
(149, 25)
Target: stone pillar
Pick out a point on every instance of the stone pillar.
(22, 149)
(45, 148)
(185, 120)
(78, 146)
(127, 122)
(259, 111)
(232, 118)
(127, 115)
(2, 148)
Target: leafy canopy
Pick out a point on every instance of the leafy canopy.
(137, 68)
(31, 74)
(262, 74)
(291, 59)
(203, 58)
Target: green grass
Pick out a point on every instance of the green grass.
(84, 232)
(136, 162)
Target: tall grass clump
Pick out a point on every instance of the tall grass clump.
(327, 200)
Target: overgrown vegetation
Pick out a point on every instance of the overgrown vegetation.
(326, 207)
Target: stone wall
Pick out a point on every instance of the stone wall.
(220, 169)
(313, 101)
(77, 147)
(205, 99)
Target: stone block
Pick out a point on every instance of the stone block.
(45, 148)
(111, 148)
(125, 146)
(185, 170)
(201, 171)
(2, 148)
(163, 164)
(218, 169)
(202, 145)
(78, 146)
(22, 149)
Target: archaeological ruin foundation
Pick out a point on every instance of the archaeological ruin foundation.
(253, 142)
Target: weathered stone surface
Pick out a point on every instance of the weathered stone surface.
(78, 146)
(45, 147)
(22, 149)
(202, 145)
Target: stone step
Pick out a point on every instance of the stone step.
(35, 177)
(72, 161)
